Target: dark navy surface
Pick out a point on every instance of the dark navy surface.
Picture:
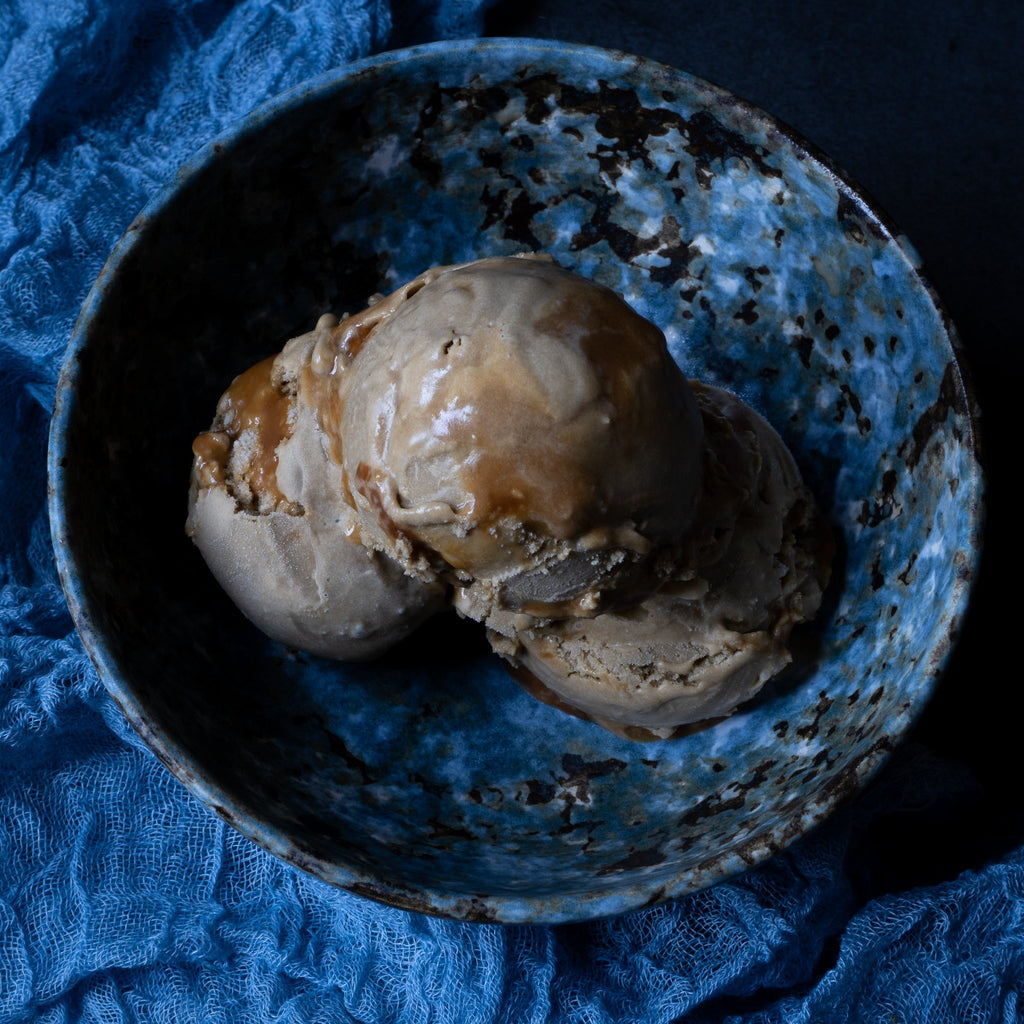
(429, 780)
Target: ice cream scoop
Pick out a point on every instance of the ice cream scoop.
(517, 431)
(266, 512)
(707, 640)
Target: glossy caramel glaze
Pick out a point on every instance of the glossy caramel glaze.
(255, 412)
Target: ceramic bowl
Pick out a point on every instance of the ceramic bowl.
(429, 779)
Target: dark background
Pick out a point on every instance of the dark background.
(921, 104)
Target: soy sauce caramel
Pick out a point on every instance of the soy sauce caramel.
(253, 413)
(545, 466)
(335, 344)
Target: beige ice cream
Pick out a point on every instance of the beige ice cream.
(265, 512)
(708, 639)
(520, 433)
(517, 438)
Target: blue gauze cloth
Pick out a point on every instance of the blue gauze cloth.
(121, 897)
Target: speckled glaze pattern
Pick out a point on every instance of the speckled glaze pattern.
(428, 779)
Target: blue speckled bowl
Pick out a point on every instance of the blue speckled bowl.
(429, 779)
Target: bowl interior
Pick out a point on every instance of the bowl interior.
(428, 779)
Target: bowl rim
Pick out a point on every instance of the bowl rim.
(474, 906)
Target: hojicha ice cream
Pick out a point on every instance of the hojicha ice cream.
(266, 513)
(517, 440)
(521, 434)
(712, 635)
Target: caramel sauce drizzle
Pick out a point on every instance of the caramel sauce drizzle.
(251, 403)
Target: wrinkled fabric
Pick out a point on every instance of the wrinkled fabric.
(121, 897)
